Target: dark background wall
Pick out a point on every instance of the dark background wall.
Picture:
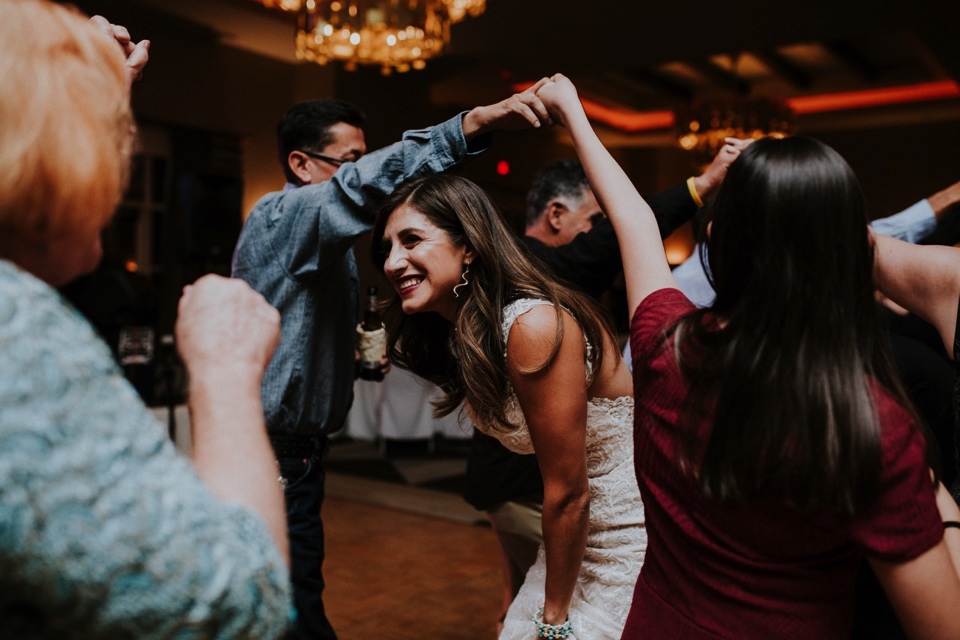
(217, 107)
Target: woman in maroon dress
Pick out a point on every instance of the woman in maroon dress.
(773, 445)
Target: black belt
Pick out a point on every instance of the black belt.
(298, 446)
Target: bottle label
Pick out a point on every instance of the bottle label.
(371, 345)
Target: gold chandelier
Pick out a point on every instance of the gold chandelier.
(460, 9)
(283, 5)
(398, 35)
(703, 126)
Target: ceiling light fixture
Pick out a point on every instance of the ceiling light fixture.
(460, 9)
(283, 5)
(397, 35)
(703, 126)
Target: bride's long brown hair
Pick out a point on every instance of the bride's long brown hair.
(467, 359)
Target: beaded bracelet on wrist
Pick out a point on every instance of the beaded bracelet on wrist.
(553, 631)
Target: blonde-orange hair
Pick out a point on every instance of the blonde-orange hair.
(65, 121)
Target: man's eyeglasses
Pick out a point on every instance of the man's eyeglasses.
(319, 156)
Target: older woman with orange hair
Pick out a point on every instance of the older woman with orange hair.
(105, 531)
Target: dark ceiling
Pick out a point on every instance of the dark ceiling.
(658, 55)
(642, 56)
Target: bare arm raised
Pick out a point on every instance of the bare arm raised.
(520, 111)
(644, 263)
(924, 590)
(710, 180)
(226, 334)
(945, 201)
(554, 402)
(923, 279)
(926, 281)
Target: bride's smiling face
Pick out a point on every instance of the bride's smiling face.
(422, 263)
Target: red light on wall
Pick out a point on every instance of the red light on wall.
(874, 97)
(626, 120)
(503, 168)
(631, 121)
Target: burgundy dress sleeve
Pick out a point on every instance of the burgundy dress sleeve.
(655, 317)
(905, 521)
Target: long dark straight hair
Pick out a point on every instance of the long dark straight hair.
(789, 375)
(466, 359)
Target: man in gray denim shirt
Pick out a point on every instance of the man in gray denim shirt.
(296, 249)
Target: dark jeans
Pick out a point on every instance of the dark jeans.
(303, 494)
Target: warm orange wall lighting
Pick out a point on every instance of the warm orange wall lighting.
(623, 119)
(626, 120)
(631, 121)
(678, 246)
(874, 97)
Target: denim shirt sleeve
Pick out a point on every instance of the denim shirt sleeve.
(912, 224)
(314, 225)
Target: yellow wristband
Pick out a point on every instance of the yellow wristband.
(692, 188)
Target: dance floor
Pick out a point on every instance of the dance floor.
(407, 576)
(439, 463)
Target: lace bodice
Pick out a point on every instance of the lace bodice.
(601, 441)
(616, 540)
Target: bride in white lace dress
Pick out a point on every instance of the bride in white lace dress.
(535, 366)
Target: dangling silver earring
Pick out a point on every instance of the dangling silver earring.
(466, 270)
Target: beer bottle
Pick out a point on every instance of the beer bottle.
(371, 338)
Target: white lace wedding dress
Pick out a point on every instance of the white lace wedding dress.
(616, 540)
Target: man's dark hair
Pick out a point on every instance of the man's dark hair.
(560, 178)
(307, 125)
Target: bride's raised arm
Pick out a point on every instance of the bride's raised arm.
(645, 265)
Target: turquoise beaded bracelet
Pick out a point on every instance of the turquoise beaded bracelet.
(553, 631)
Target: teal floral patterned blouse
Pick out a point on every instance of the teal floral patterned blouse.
(105, 530)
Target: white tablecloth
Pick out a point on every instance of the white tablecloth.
(399, 409)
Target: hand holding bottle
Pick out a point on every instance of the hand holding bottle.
(371, 340)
